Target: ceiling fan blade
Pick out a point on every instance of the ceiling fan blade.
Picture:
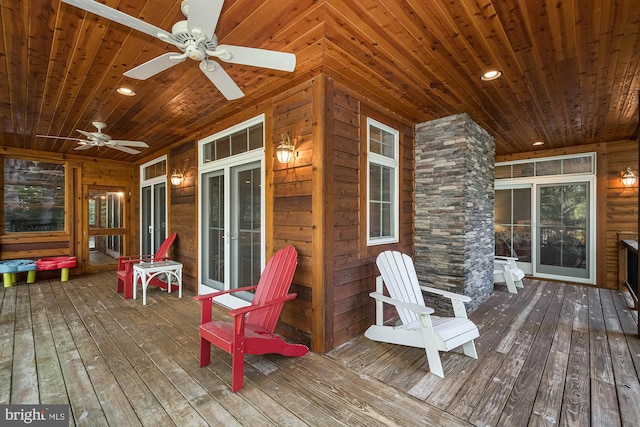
(117, 16)
(258, 57)
(204, 14)
(121, 148)
(83, 147)
(90, 135)
(129, 143)
(221, 79)
(154, 66)
(58, 137)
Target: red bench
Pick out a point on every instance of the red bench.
(63, 263)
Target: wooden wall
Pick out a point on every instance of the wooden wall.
(318, 206)
(81, 173)
(183, 211)
(350, 264)
(295, 215)
(617, 206)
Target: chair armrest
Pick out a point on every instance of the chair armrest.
(501, 261)
(135, 259)
(244, 310)
(505, 258)
(215, 294)
(457, 300)
(446, 294)
(207, 299)
(419, 309)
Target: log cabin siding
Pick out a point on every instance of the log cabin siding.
(183, 211)
(616, 206)
(293, 217)
(350, 263)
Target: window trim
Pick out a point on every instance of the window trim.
(394, 164)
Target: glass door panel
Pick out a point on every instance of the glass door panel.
(512, 223)
(153, 216)
(213, 247)
(146, 223)
(563, 229)
(159, 215)
(246, 225)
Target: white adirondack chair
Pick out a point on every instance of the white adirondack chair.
(505, 270)
(419, 328)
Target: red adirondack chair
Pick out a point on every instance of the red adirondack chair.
(252, 330)
(125, 267)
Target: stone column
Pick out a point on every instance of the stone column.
(454, 241)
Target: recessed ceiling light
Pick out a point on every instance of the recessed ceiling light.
(491, 75)
(125, 91)
(538, 143)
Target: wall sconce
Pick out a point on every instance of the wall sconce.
(177, 177)
(284, 150)
(628, 178)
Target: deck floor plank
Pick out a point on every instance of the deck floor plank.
(50, 379)
(553, 354)
(576, 407)
(519, 406)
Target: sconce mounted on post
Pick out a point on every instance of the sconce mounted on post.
(285, 149)
(628, 177)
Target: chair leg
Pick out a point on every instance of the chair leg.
(469, 349)
(205, 352)
(511, 286)
(433, 358)
(237, 370)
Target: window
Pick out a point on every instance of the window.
(233, 143)
(34, 196)
(548, 166)
(382, 191)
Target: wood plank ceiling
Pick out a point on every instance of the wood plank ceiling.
(571, 69)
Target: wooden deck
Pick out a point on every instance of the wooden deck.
(552, 355)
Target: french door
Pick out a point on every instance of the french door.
(153, 216)
(232, 238)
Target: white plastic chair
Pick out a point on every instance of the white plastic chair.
(419, 328)
(505, 270)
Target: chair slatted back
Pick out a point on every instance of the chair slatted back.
(400, 278)
(163, 250)
(274, 283)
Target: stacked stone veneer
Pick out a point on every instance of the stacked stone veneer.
(454, 241)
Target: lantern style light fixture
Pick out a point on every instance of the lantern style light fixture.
(177, 177)
(285, 149)
(628, 177)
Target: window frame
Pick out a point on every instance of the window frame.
(65, 187)
(394, 165)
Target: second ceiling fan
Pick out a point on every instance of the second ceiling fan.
(196, 39)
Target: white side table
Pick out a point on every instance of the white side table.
(145, 271)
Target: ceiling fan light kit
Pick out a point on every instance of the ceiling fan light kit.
(196, 39)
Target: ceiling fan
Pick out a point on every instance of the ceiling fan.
(100, 139)
(196, 39)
